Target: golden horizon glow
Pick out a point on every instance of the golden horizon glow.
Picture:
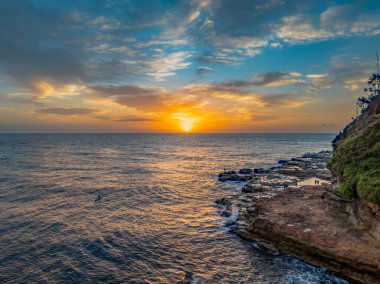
(194, 109)
(186, 121)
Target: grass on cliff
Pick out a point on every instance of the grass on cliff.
(356, 161)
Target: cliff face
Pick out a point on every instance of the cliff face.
(356, 159)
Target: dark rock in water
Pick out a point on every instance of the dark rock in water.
(229, 223)
(240, 178)
(259, 171)
(223, 201)
(232, 176)
(226, 175)
(226, 213)
(245, 171)
(250, 188)
(230, 172)
(282, 161)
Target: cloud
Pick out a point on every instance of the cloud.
(230, 100)
(126, 90)
(136, 119)
(279, 78)
(345, 71)
(235, 84)
(317, 76)
(283, 100)
(66, 111)
(334, 22)
(219, 59)
(41, 43)
(202, 70)
(77, 43)
(165, 66)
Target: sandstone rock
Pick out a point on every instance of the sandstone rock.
(301, 223)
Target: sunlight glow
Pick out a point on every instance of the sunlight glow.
(186, 122)
(187, 125)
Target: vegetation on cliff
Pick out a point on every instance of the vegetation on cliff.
(356, 158)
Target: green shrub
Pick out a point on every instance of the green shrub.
(356, 162)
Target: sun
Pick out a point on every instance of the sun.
(187, 125)
(185, 121)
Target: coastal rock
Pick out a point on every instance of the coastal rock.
(281, 211)
(245, 171)
(362, 214)
(252, 188)
(223, 201)
(259, 171)
(300, 223)
(226, 213)
(232, 176)
(230, 223)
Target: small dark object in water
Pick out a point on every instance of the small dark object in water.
(98, 198)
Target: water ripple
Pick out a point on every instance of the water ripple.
(156, 218)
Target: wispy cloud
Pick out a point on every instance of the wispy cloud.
(202, 70)
(66, 111)
(167, 65)
(273, 79)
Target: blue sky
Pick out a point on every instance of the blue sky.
(209, 65)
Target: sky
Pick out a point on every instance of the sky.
(184, 66)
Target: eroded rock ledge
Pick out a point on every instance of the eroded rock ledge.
(312, 222)
(300, 223)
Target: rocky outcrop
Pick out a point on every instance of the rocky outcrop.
(300, 222)
(233, 176)
(362, 214)
(283, 209)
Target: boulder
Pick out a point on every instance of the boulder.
(232, 176)
(259, 171)
(245, 171)
(223, 201)
(248, 188)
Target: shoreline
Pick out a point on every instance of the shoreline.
(293, 208)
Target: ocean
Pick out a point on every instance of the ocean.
(157, 217)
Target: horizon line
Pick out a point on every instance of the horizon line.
(185, 133)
